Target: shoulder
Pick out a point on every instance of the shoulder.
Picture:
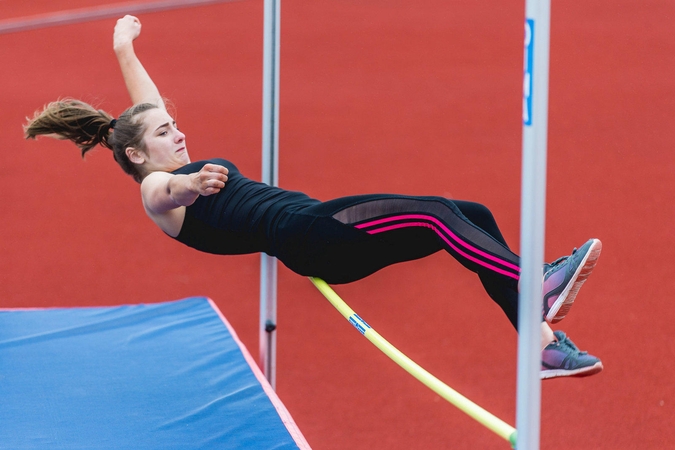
(152, 187)
(153, 179)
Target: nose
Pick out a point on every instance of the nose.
(180, 137)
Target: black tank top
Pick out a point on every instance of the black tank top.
(241, 218)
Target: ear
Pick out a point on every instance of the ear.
(135, 155)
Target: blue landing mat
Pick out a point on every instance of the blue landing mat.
(157, 376)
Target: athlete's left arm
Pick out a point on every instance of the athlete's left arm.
(140, 86)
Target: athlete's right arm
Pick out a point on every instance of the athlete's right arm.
(163, 192)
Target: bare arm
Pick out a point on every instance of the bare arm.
(163, 192)
(140, 86)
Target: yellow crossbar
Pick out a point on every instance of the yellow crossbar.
(487, 419)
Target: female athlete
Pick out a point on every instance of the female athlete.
(210, 206)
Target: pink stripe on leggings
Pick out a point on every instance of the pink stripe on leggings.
(450, 233)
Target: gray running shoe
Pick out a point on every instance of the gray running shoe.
(563, 359)
(563, 279)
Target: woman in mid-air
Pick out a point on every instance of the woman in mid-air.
(210, 206)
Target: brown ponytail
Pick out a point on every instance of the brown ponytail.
(88, 127)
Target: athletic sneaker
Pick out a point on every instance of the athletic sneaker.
(563, 359)
(563, 279)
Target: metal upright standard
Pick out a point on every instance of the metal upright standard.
(270, 175)
(533, 215)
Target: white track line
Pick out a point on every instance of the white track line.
(96, 13)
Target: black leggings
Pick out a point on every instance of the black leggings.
(350, 238)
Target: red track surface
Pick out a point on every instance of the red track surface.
(407, 97)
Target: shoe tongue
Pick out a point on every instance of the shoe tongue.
(564, 340)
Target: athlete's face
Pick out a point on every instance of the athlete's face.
(165, 148)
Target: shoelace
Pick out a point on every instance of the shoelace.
(567, 342)
(560, 260)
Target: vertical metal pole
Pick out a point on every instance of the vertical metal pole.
(533, 218)
(270, 175)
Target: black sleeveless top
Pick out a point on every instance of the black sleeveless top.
(241, 218)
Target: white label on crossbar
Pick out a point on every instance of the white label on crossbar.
(359, 323)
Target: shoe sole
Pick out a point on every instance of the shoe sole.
(583, 372)
(564, 302)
